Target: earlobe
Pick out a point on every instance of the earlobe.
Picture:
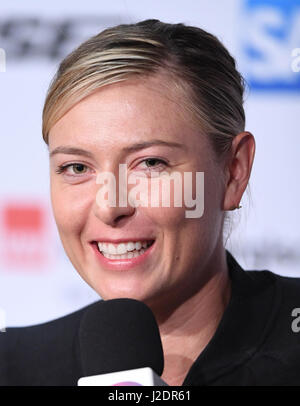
(234, 208)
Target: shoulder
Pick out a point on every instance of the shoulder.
(62, 327)
(287, 287)
(281, 296)
(280, 349)
(45, 353)
(263, 322)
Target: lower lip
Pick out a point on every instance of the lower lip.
(122, 264)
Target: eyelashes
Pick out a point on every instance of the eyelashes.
(150, 161)
(80, 169)
(62, 168)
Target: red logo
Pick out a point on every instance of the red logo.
(24, 235)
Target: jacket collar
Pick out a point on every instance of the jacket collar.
(244, 326)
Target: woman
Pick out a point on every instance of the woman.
(158, 99)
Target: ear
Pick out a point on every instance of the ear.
(238, 169)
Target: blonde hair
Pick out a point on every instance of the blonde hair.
(195, 60)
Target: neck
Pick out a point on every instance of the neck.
(187, 330)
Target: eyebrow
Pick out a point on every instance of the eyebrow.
(131, 148)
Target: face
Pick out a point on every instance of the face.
(139, 123)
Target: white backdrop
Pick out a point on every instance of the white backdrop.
(37, 281)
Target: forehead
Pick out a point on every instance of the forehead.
(127, 112)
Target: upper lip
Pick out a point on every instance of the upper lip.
(122, 240)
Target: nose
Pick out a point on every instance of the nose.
(112, 216)
(110, 207)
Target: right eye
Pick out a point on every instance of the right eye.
(78, 169)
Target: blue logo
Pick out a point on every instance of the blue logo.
(270, 39)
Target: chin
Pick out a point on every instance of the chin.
(114, 292)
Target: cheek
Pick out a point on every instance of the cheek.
(192, 233)
(178, 202)
(164, 218)
(161, 198)
(70, 208)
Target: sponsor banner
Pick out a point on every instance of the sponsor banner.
(270, 44)
(38, 282)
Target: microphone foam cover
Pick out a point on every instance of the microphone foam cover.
(118, 335)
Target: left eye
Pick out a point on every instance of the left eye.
(79, 168)
(154, 163)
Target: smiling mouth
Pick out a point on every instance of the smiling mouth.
(125, 250)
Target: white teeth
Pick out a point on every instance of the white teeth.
(130, 246)
(123, 250)
(138, 246)
(112, 249)
(128, 255)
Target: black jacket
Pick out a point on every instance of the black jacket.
(254, 343)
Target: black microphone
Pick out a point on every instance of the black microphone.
(120, 335)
